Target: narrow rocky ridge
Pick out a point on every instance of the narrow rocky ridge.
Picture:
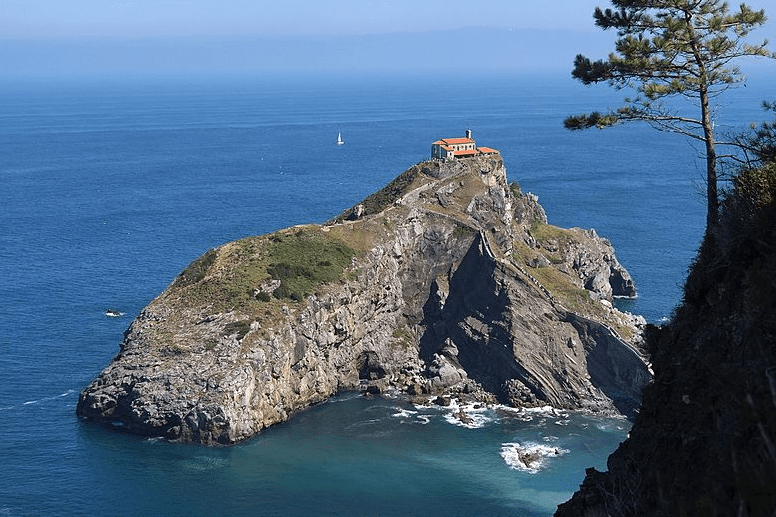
(452, 284)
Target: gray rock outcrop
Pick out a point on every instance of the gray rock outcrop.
(452, 283)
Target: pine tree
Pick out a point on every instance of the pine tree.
(672, 48)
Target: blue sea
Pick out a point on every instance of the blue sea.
(110, 187)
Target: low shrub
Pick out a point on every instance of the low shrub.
(241, 328)
(306, 261)
(197, 270)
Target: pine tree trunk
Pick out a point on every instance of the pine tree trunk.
(712, 199)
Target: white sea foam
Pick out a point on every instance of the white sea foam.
(407, 415)
(529, 457)
(392, 393)
(472, 416)
(477, 415)
(466, 415)
(344, 397)
(404, 413)
(515, 413)
(612, 425)
(422, 407)
(45, 399)
(541, 414)
(546, 411)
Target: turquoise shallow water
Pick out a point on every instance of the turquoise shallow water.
(357, 456)
(109, 189)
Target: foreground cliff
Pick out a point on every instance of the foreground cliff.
(448, 281)
(704, 442)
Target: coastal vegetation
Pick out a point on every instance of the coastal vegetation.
(547, 233)
(673, 50)
(386, 196)
(290, 264)
(304, 260)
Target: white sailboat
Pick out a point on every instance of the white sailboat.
(340, 141)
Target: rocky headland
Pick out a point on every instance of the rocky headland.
(448, 282)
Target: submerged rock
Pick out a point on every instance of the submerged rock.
(447, 281)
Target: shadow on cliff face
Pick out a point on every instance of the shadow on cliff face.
(369, 366)
(614, 367)
(469, 324)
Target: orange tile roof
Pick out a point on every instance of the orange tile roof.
(465, 152)
(453, 141)
(487, 150)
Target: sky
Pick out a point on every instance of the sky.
(74, 37)
(153, 18)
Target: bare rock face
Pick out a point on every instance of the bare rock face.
(582, 253)
(447, 281)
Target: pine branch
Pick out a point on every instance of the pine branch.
(668, 48)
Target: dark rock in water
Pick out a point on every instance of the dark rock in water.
(373, 389)
(415, 388)
(529, 459)
(448, 281)
(463, 417)
(704, 441)
(443, 400)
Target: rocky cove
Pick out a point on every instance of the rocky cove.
(448, 282)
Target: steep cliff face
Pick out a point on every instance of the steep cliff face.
(447, 281)
(704, 442)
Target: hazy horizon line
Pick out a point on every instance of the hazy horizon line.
(475, 49)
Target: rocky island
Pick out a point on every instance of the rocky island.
(447, 282)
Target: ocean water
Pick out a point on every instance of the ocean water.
(110, 188)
